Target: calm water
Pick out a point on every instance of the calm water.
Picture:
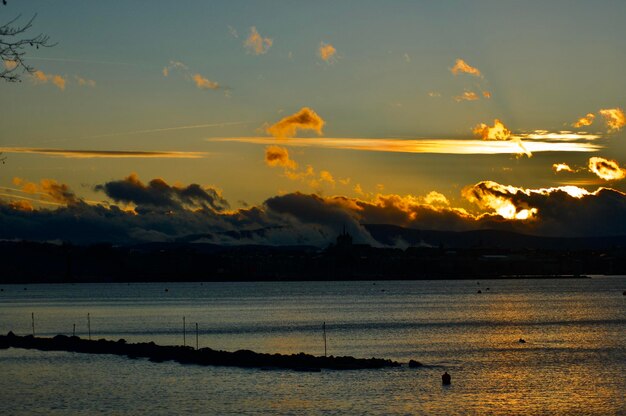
(574, 360)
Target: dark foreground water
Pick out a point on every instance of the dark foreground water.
(573, 361)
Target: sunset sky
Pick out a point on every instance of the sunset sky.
(448, 115)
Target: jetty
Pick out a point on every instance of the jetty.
(189, 355)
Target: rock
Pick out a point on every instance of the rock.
(414, 364)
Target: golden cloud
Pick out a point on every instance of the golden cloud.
(500, 132)
(606, 169)
(204, 83)
(436, 198)
(326, 176)
(257, 44)
(486, 94)
(466, 96)
(305, 119)
(22, 205)
(39, 77)
(614, 118)
(49, 189)
(460, 66)
(434, 146)
(327, 52)
(497, 132)
(585, 121)
(511, 202)
(279, 156)
(562, 167)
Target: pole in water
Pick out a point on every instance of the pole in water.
(88, 326)
(184, 333)
(32, 317)
(196, 335)
(324, 330)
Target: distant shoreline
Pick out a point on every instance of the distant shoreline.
(417, 279)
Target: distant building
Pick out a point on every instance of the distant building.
(344, 240)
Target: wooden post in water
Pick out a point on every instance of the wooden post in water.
(88, 326)
(32, 317)
(196, 335)
(184, 333)
(324, 329)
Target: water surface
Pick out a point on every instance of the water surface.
(573, 361)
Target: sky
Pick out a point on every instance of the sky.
(279, 115)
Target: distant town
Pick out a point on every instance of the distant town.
(487, 254)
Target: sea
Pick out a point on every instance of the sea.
(573, 360)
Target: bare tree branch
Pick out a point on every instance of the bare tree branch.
(13, 48)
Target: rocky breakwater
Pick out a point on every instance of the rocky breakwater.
(189, 355)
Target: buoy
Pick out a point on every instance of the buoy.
(446, 379)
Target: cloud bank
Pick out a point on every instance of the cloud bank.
(157, 211)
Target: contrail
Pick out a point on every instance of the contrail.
(84, 61)
(193, 126)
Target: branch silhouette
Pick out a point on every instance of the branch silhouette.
(13, 47)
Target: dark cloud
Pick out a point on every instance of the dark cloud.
(158, 194)
(193, 213)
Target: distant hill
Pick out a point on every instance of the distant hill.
(394, 235)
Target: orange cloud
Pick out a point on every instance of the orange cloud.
(204, 83)
(500, 132)
(486, 94)
(606, 169)
(497, 132)
(257, 44)
(436, 198)
(327, 52)
(558, 167)
(326, 176)
(466, 96)
(585, 121)
(39, 77)
(49, 189)
(279, 156)
(21, 205)
(460, 66)
(614, 118)
(305, 119)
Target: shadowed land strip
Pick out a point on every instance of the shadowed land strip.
(188, 355)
